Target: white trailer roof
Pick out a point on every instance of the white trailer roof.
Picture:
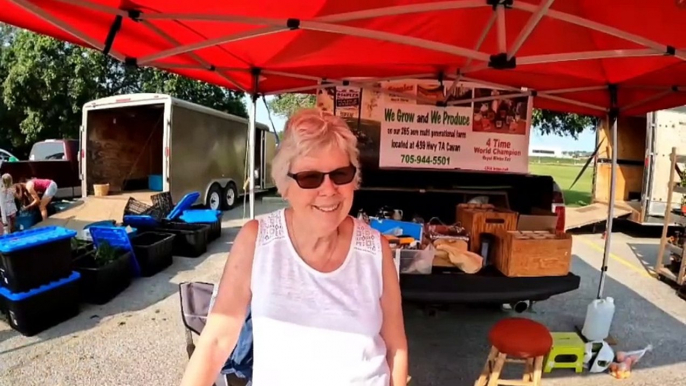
(141, 99)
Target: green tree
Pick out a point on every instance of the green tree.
(44, 84)
(286, 104)
(547, 122)
(551, 122)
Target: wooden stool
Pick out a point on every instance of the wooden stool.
(524, 341)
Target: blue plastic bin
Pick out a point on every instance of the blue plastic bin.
(186, 203)
(34, 257)
(155, 182)
(117, 238)
(26, 220)
(40, 308)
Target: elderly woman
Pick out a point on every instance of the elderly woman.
(322, 286)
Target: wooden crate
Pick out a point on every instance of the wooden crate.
(477, 219)
(533, 253)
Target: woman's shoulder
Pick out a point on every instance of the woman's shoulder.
(366, 238)
(270, 227)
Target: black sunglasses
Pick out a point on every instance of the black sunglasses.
(314, 179)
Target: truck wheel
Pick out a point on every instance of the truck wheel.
(230, 196)
(215, 197)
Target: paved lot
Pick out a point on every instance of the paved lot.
(137, 339)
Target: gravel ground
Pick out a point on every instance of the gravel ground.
(137, 338)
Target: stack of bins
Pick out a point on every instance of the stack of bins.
(39, 289)
(190, 239)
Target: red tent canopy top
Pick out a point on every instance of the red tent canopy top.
(585, 56)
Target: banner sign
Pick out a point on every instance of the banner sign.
(403, 132)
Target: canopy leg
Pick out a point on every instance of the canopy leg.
(252, 132)
(611, 210)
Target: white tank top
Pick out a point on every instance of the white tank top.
(312, 328)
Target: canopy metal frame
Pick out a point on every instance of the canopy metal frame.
(476, 59)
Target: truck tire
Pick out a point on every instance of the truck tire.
(215, 197)
(230, 197)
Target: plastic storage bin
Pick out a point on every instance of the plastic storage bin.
(186, 203)
(154, 251)
(416, 261)
(38, 309)
(205, 216)
(26, 220)
(32, 258)
(100, 284)
(155, 182)
(190, 240)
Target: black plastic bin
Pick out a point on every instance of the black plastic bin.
(154, 251)
(190, 240)
(212, 218)
(80, 248)
(100, 284)
(34, 311)
(215, 231)
(35, 257)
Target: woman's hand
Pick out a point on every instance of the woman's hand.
(224, 323)
(393, 327)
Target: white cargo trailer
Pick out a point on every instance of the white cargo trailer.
(154, 142)
(644, 144)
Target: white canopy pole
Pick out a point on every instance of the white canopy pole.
(252, 132)
(610, 212)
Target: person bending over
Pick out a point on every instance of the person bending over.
(31, 192)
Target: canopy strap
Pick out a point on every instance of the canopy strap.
(133, 14)
(114, 28)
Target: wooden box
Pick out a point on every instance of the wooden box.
(533, 253)
(479, 218)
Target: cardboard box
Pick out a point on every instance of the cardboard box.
(539, 220)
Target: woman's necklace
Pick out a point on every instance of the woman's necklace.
(297, 246)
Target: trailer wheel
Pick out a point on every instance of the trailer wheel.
(230, 196)
(215, 197)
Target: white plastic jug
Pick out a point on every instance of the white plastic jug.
(599, 316)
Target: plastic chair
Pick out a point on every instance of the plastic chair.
(196, 302)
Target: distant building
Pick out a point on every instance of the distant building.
(552, 152)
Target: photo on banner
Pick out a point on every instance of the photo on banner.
(408, 126)
(506, 115)
(326, 98)
(348, 102)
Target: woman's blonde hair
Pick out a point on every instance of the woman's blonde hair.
(310, 130)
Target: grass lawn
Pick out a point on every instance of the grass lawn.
(564, 175)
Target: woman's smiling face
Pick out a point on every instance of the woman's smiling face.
(328, 204)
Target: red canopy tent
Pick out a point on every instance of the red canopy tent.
(591, 57)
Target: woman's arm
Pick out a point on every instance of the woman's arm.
(393, 327)
(33, 194)
(226, 319)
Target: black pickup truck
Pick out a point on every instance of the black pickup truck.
(436, 193)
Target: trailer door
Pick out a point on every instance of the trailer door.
(670, 131)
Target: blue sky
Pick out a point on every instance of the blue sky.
(586, 140)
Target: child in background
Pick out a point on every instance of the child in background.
(7, 204)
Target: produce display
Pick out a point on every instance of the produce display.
(484, 236)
